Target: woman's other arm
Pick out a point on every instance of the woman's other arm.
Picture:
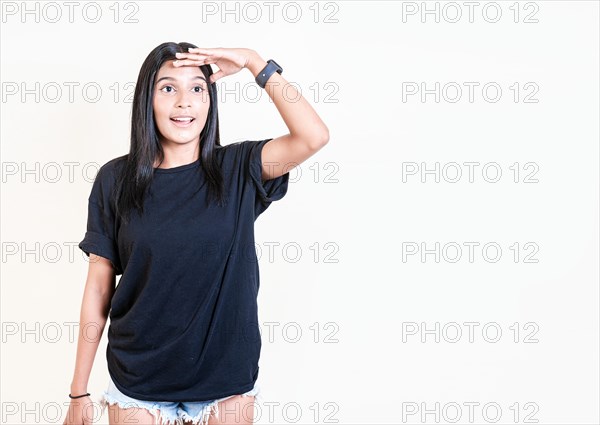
(99, 288)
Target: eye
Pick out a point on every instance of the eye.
(171, 87)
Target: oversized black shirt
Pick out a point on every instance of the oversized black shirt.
(184, 315)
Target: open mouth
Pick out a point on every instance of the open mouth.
(182, 122)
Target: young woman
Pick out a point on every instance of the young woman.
(175, 217)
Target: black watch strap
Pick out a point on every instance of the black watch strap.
(264, 75)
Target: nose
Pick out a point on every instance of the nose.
(183, 99)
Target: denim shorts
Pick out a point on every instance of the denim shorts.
(166, 412)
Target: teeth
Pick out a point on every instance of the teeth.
(182, 119)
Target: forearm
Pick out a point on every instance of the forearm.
(299, 116)
(93, 317)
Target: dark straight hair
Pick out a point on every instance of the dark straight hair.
(135, 176)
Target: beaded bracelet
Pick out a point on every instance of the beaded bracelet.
(79, 396)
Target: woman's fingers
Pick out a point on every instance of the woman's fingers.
(202, 50)
(189, 59)
(216, 76)
(190, 56)
(187, 62)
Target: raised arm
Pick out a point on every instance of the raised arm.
(307, 132)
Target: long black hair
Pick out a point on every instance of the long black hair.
(135, 176)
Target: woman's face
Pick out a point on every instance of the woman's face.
(180, 92)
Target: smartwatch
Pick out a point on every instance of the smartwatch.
(265, 74)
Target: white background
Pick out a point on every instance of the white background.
(349, 209)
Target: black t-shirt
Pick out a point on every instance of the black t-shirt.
(184, 315)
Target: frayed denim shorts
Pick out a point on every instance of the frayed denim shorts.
(167, 412)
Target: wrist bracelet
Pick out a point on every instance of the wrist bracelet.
(79, 396)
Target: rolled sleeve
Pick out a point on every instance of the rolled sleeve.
(99, 237)
(269, 190)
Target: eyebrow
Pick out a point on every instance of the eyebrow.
(173, 79)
